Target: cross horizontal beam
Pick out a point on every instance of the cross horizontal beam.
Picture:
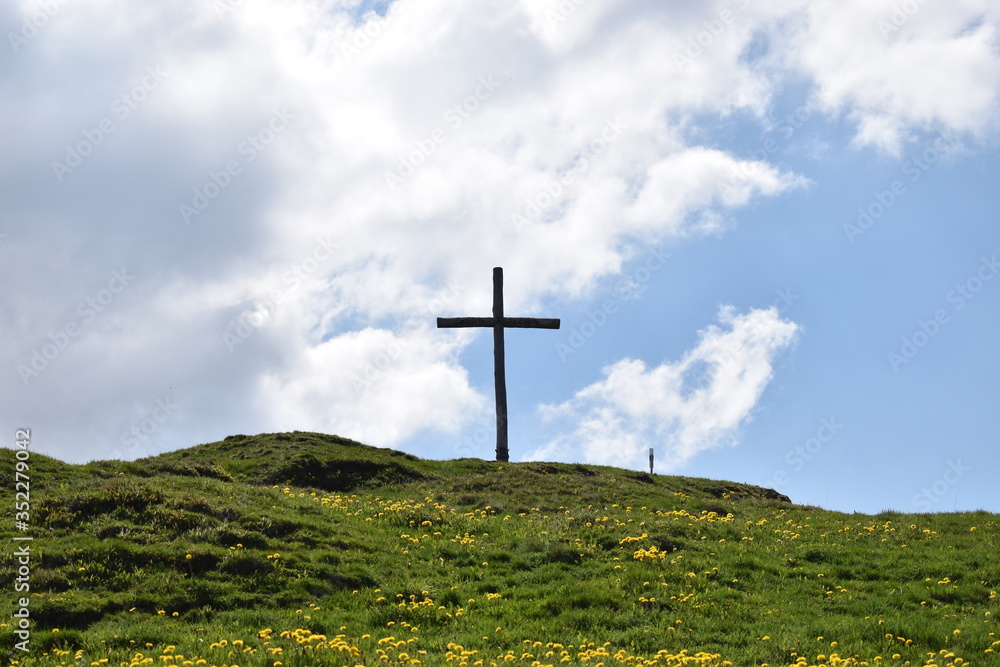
(506, 322)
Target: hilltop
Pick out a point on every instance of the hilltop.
(309, 549)
(332, 463)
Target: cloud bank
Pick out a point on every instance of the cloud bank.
(296, 189)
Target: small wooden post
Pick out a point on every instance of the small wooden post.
(650, 460)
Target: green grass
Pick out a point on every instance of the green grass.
(305, 549)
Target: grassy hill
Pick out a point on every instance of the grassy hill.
(303, 549)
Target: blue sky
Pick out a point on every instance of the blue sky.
(772, 248)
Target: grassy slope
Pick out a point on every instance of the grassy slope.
(310, 535)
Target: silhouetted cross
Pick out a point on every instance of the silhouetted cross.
(499, 323)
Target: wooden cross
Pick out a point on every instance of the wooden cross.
(499, 323)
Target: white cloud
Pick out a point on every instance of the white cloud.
(385, 388)
(896, 68)
(708, 178)
(681, 408)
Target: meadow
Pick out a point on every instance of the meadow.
(302, 549)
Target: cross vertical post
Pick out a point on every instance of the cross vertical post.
(499, 371)
(498, 323)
